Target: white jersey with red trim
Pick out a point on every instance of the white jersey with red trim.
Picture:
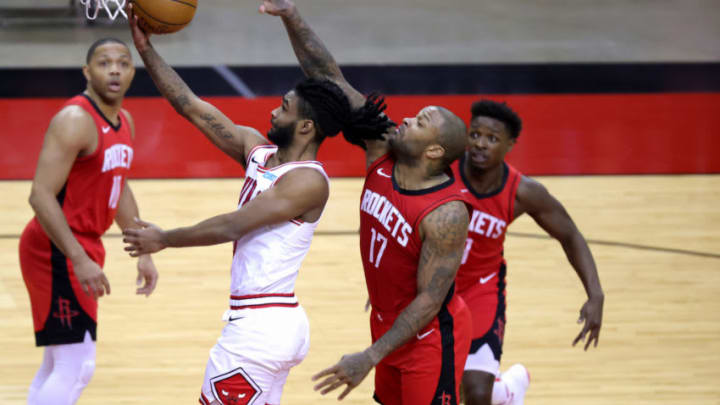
(266, 261)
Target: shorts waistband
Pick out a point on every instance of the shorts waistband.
(263, 301)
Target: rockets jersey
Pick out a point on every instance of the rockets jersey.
(390, 242)
(267, 260)
(89, 198)
(491, 215)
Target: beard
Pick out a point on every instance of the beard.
(281, 136)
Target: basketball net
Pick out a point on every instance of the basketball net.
(92, 8)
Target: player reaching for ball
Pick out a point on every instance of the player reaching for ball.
(413, 226)
(280, 204)
(78, 189)
(164, 16)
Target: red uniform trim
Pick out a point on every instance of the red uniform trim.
(377, 163)
(245, 297)
(249, 156)
(258, 306)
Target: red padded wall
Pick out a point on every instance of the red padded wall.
(563, 134)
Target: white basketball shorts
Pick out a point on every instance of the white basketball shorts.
(251, 360)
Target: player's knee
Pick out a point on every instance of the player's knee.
(477, 394)
(87, 369)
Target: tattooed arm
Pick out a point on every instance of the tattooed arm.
(444, 231)
(315, 59)
(235, 141)
(317, 62)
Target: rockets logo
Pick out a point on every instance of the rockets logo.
(65, 313)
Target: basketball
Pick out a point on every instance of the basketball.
(164, 16)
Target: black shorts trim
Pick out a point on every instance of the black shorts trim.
(445, 391)
(67, 322)
(495, 335)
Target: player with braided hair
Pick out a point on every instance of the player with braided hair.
(413, 225)
(280, 205)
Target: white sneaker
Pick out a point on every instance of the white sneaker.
(517, 379)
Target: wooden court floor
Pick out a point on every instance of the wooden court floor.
(656, 240)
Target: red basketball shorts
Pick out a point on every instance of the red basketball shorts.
(428, 369)
(61, 310)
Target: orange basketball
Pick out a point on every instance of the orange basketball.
(164, 16)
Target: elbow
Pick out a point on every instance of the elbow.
(230, 236)
(230, 232)
(179, 108)
(184, 104)
(570, 239)
(432, 306)
(35, 198)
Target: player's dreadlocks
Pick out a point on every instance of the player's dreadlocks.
(325, 103)
(368, 122)
(501, 112)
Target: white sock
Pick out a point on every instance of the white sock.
(71, 367)
(501, 392)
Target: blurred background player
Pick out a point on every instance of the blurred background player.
(78, 188)
(280, 205)
(499, 194)
(413, 223)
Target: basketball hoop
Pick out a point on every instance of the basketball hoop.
(93, 7)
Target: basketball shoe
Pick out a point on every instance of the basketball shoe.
(517, 380)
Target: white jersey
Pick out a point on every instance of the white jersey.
(266, 261)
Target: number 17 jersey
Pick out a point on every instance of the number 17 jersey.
(390, 241)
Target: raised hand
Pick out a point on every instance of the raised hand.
(350, 371)
(145, 240)
(591, 315)
(147, 273)
(278, 8)
(91, 277)
(140, 37)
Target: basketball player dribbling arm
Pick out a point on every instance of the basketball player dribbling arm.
(443, 231)
(298, 194)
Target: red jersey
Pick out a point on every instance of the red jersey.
(492, 213)
(90, 196)
(390, 247)
(62, 312)
(389, 233)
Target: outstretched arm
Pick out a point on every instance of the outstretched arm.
(444, 231)
(235, 141)
(315, 59)
(548, 212)
(295, 193)
(317, 62)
